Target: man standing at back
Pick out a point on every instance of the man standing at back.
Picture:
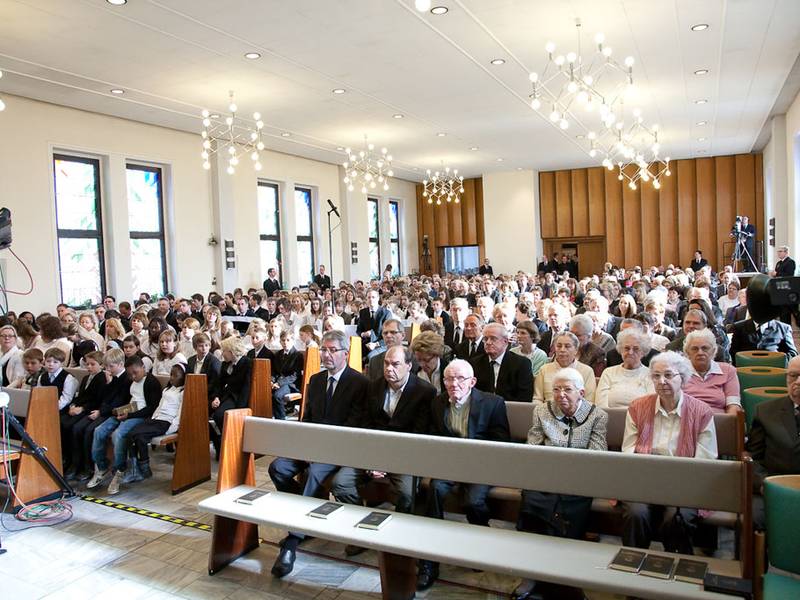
(785, 267)
(322, 280)
(335, 396)
(271, 283)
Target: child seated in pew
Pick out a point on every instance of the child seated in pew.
(308, 337)
(55, 376)
(131, 346)
(165, 421)
(258, 336)
(33, 361)
(189, 328)
(75, 418)
(287, 373)
(205, 363)
(276, 326)
(168, 353)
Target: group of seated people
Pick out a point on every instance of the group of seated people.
(657, 343)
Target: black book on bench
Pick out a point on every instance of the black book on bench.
(628, 560)
(374, 520)
(691, 571)
(734, 586)
(657, 566)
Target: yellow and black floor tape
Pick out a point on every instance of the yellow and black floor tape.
(148, 513)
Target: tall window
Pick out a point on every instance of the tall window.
(269, 227)
(305, 235)
(79, 227)
(394, 236)
(146, 224)
(374, 238)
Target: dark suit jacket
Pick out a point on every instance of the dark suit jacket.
(375, 323)
(263, 353)
(412, 413)
(612, 326)
(263, 313)
(323, 281)
(116, 393)
(462, 350)
(241, 326)
(514, 379)
(449, 333)
(211, 368)
(776, 338)
(236, 386)
(348, 402)
(542, 267)
(271, 286)
(287, 368)
(774, 442)
(90, 395)
(696, 265)
(785, 267)
(487, 417)
(485, 270)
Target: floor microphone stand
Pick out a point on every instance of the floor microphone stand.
(332, 209)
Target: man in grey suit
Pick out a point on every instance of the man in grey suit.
(772, 335)
(774, 441)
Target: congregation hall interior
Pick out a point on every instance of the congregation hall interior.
(352, 299)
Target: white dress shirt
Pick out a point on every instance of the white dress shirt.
(393, 397)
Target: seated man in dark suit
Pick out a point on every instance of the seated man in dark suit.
(773, 441)
(500, 372)
(473, 338)
(773, 335)
(463, 412)
(335, 396)
(397, 401)
(370, 322)
(393, 334)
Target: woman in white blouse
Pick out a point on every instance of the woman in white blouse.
(621, 384)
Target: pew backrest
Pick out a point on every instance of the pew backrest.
(19, 401)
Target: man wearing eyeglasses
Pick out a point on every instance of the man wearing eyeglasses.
(462, 412)
(500, 372)
(335, 396)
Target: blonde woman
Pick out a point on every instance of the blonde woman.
(115, 333)
(87, 329)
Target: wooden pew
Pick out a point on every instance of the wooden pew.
(713, 484)
(33, 482)
(261, 388)
(354, 358)
(311, 366)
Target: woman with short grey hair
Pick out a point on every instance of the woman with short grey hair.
(622, 384)
(715, 383)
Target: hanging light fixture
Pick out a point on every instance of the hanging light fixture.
(367, 169)
(232, 137)
(445, 184)
(602, 89)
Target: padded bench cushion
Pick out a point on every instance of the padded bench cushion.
(163, 440)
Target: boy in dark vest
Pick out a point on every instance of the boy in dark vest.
(55, 375)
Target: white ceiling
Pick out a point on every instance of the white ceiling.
(175, 57)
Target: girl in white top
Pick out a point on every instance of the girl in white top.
(622, 384)
(11, 367)
(131, 347)
(168, 355)
(274, 334)
(308, 338)
(169, 409)
(189, 327)
(730, 300)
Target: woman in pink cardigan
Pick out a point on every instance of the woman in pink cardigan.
(715, 383)
(668, 423)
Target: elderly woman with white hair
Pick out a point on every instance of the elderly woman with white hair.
(668, 422)
(715, 383)
(589, 353)
(566, 355)
(566, 421)
(622, 384)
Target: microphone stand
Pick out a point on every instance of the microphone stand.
(332, 209)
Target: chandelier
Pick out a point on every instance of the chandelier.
(232, 137)
(366, 169)
(2, 104)
(601, 88)
(443, 185)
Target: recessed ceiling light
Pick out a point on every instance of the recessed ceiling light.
(498, 61)
(701, 139)
(340, 148)
(252, 55)
(214, 116)
(339, 91)
(117, 91)
(397, 116)
(579, 137)
(474, 148)
(117, 2)
(701, 123)
(519, 168)
(700, 27)
(439, 10)
(499, 160)
(286, 134)
(701, 72)
(701, 101)
(441, 134)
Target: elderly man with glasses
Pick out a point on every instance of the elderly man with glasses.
(462, 412)
(335, 396)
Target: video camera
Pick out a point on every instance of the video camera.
(767, 295)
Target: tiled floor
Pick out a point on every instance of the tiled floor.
(110, 553)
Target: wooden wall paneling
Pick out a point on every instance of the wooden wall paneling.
(425, 226)
(631, 226)
(454, 223)
(651, 249)
(668, 218)
(563, 204)
(746, 186)
(726, 202)
(597, 201)
(615, 243)
(761, 225)
(547, 203)
(687, 210)
(707, 211)
(469, 227)
(580, 203)
(478, 183)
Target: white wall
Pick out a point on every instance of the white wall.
(199, 203)
(511, 220)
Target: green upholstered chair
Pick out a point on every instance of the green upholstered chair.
(761, 358)
(753, 396)
(782, 499)
(750, 377)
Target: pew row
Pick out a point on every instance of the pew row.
(39, 410)
(710, 484)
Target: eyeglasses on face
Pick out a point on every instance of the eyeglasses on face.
(456, 380)
(324, 350)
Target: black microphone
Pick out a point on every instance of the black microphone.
(334, 209)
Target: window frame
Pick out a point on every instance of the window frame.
(149, 235)
(376, 240)
(310, 236)
(263, 237)
(81, 233)
(395, 205)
